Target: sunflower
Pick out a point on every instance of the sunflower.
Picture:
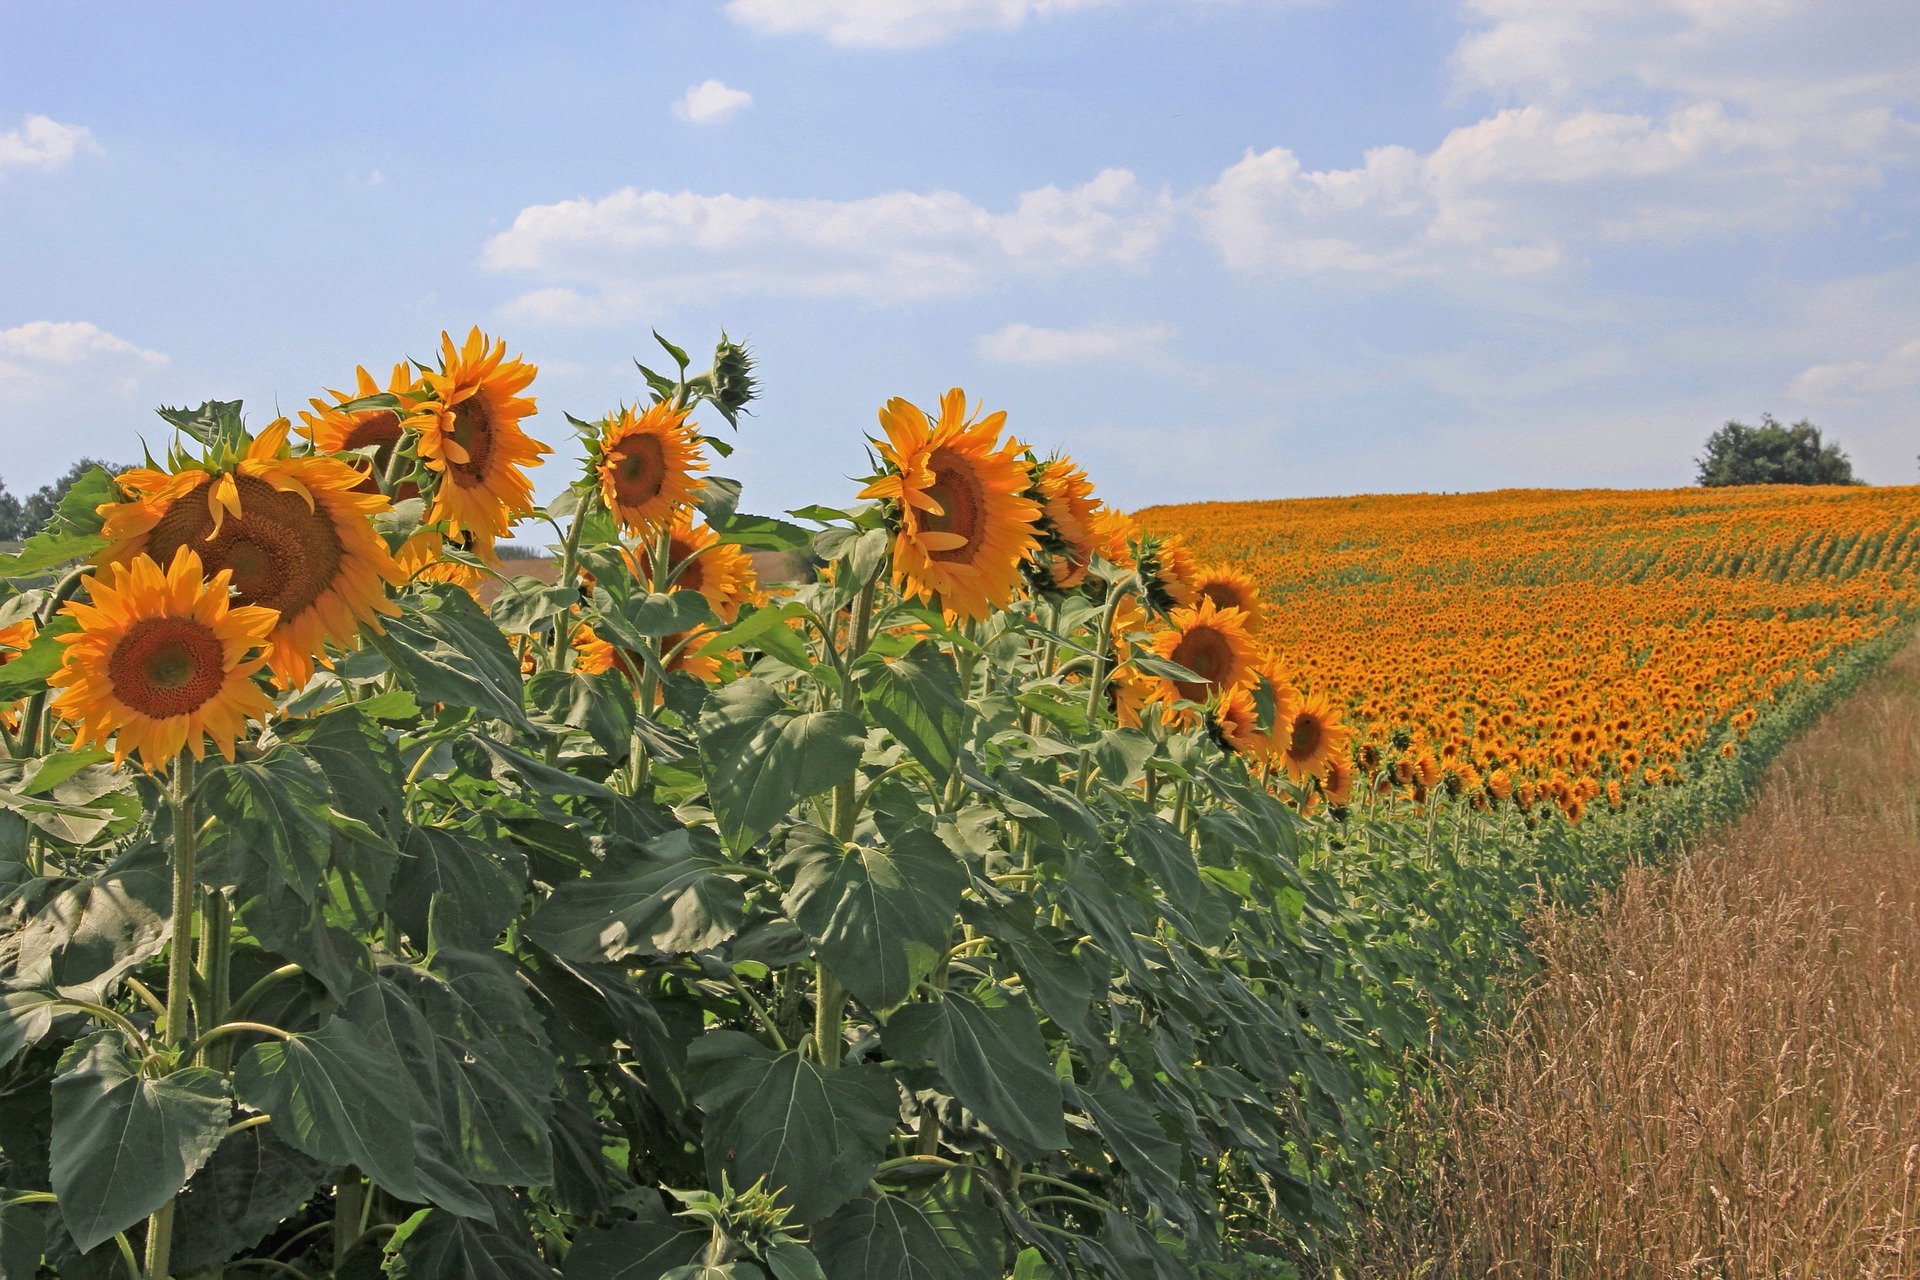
(646, 462)
(959, 499)
(1236, 724)
(14, 640)
(720, 571)
(593, 655)
(161, 661)
(294, 534)
(1069, 535)
(1166, 573)
(1114, 534)
(1315, 738)
(469, 433)
(1213, 644)
(1229, 589)
(331, 430)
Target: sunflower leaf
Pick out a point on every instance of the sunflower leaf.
(451, 653)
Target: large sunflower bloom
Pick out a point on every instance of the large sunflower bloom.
(1316, 738)
(1213, 644)
(161, 661)
(469, 434)
(333, 430)
(720, 571)
(295, 534)
(646, 461)
(959, 494)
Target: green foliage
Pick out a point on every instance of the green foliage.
(1772, 453)
(887, 954)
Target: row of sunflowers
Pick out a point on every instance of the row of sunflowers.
(989, 903)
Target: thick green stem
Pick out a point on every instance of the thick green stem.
(186, 898)
(1097, 684)
(830, 1000)
(349, 1201)
(569, 572)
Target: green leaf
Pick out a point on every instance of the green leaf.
(25, 1017)
(271, 812)
(632, 620)
(891, 1236)
(215, 422)
(994, 1060)
(53, 770)
(761, 758)
(90, 935)
(435, 1245)
(253, 1183)
(1134, 1134)
(917, 698)
(540, 776)
(124, 1143)
(26, 674)
(361, 765)
(450, 652)
(600, 704)
(644, 1249)
(686, 905)
(763, 533)
(23, 1239)
(526, 604)
(816, 1136)
(72, 534)
(718, 498)
(468, 888)
(791, 1261)
(331, 1094)
(881, 918)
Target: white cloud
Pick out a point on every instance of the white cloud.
(1896, 371)
(894, 24)
(44, 143)
(710, 102)
(1021, 343)
(598, 259)
(47, 360)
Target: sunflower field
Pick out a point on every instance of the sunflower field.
(1028, 892)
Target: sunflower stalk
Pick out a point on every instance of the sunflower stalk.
(830, 1001)
(186, 839)
(569, 571)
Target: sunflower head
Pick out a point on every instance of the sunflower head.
(647, 461)
(957, 498)
(467, 425)
(1214, 645)
(1166, 572)
(332, 429)
(720, 571)
(1228, 588)
(294, 535)
(1068, 533)
(163, 660)
(1317, 737)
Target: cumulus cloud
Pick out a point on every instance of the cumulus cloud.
(1021, 343)
(54, 355)
(1896, 371)
(710, 102)
(598, 259)
(1612, 121)
(44, 143)
(893, 24)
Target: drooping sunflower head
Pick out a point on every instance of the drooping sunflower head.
(331, 429)
(1235, 725)
(1316, 737)
(469, 436)
(648, 461)
(1068, 535)
(294, 535)
(1228, 588)
(1213, 644)
(163, 661)
(1166, 572)
(720, 571)
(956, 493)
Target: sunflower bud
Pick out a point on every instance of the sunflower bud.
(733, 383)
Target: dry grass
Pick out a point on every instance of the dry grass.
(1719, 1074)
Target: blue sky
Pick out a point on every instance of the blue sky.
(1213, 248)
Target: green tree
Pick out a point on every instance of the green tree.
(11, 516)
(1772, 454)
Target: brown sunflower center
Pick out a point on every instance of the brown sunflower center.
(639, 470)
(167, 667)
(283, 555)
(1207, 654)
(472, 431)
(1224, 595)
(956, 488)
(1308, 732)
